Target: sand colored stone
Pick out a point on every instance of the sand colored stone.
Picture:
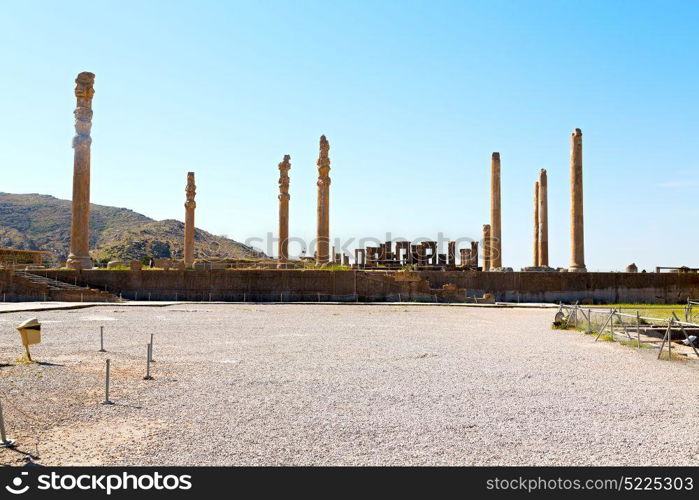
(577, 232)
(535, 263)
(189, 206)
(543, 220)
(495, 213)
(486, 247)
(284, 198)
(79, 257)
(323, 227)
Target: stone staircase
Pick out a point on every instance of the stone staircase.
(51, 289)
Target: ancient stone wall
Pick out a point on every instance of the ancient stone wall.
(431, 286)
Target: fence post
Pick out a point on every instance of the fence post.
(684, 332)
(106, 401)
(102, 339)
(611, 324)
(148, 354)
(151, 349)
(638, 328)
(602, 328)
(589, 320)
(4, 442)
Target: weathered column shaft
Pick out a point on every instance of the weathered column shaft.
(323, 232)
(189, 206)
(577, 233)
(284, 198)
(543, 219)
(486, 247)
(495, 213)
(79, 257)
(536, 224)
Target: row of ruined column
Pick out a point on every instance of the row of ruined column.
(79, 257)
(323, 255)
(492, 233)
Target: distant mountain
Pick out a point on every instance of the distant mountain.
(42, 222)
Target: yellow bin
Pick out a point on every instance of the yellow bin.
(30, 331)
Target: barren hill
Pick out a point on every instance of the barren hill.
(42, 222)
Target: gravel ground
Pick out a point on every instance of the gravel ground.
(340, 385)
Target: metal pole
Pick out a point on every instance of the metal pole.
(151, 349)
(102, 339)
(662, 346)
(611, 324)
(589, 321)
(638, 329)
(602, 328)
(691, 344)
(107, 401)
(148, 354)
(4, 442)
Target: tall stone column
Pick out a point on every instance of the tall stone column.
(577, 233)
(323, 233)
(495, 211)
(543, 219)
(189, 206)
(486, 247)
(284, 198)
(536, 224)
(79, 257)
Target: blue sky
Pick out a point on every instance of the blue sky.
(413, 97)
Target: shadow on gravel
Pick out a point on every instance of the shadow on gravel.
(46, 363)
(27, 456)
(124, 405)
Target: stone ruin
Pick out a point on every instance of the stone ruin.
(421, 256)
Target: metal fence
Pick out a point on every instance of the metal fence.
(628, 327)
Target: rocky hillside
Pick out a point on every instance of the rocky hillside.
(42, 222)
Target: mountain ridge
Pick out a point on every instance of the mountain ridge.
(36, 221)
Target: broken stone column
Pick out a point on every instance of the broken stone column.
(474, 254)
(543, 220)
(495, 211)
(577, 234)
(189, 206)
(452, 253)
(284, 198)
(536, 224)
(359, 257)
(323, 233)
(486, 247)
(79, 256)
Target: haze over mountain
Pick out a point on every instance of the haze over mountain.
(42, 222)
